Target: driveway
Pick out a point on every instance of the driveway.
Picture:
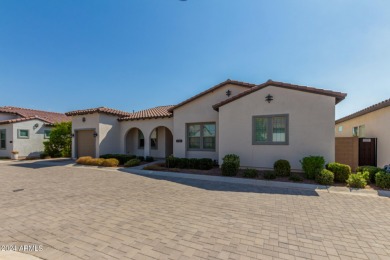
(59, 212)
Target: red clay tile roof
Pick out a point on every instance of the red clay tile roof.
(29, 114)
(243, 84)
(338, 95)
(104, 110)
(22, 119)
(367, 110)
(151, 113)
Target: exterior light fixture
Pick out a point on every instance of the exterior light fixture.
(83, 119)
(35, 126)
(72, 135)
(95, 134)
(228, 93)
(269, 98)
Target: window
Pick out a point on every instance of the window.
(270, 129)
(46, 134)
(23, 134)
(3, 139)
(340, 128)
(141, 139)
(201, 136)
(359, 131)
(153, 139)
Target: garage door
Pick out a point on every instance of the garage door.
(85, 143)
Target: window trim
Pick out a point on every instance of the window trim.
(45, 136)
(155, 147)
(269, 133)
(5, 139)
(201, 137)
(24, 137)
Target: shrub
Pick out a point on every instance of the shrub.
(171, 162)
(325, 177)
(44, 156)
(141, 158)
(112, 162)
(357, 181)
(269, 175)
(295, 178)
(205, 164)
(182, 163)
(382, 180)
(60, 140)
(83, 159)
(132, 163)
(282, 168)
(122, 158)
(193, 163)
(250, 173)
(149, 159)
(341, 171)
(230, 165)
(88, 160)
(371, 169)
(312, 165)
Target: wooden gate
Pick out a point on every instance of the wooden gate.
(367, 151)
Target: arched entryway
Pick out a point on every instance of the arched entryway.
(135, 142)
(161, 142)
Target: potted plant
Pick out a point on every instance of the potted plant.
(15, 155)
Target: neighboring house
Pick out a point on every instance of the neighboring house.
(260, 123)
(24, 130)
(371, 122)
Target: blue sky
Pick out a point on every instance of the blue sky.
(136, 54)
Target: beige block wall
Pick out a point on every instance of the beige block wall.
(377, 125)
(199, 111)
(311, 127)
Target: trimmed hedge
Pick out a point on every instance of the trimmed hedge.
(111, 162)
(295, 178)
(371, 169)
(269, 175)
(282, 168)
(149, 159)
(325, 177)
(122, 158)
(230, 165)
(132, 163)
(358, 180)
(250, 173)
(341, 171)
(189, 163)
(382, 180)
(88, 160)
(312, 165)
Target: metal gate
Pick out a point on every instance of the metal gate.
(367, 151)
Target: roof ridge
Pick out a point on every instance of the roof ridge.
(30, 109)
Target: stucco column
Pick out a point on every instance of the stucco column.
(147, 146)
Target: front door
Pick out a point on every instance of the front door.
(85, 143)
(367, 151)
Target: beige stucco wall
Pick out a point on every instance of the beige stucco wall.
(377, 125)
(9, 137)
(109, 130)
(33, 146)
(146, 126)
(199, 111)
(311, 127)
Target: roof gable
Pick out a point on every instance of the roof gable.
(238, 83)
(104, 110)
(366, 110)
(151, 113)
(25, 113)
(338, 95)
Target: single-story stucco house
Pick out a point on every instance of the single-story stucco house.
(260, 123)
(24, 130)
(371, 122)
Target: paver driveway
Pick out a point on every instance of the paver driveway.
(85, 213)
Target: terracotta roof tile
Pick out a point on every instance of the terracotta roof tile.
(29, 114)
(151, 113)
(104, 110)
(243, 84)
(338, 95)
(22, 119)
(367, 110)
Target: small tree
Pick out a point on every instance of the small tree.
(60, 141)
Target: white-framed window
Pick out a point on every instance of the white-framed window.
(270, 129)
(359, 131)
(23, 133)
(3, 139)
(201, 136)
(340, 128)
(141, 140)
(46, 134)
(154, 139)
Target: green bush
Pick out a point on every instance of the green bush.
(149, 159)
(371, 169)
(141, 158)
(341, 171)
(358, 180)
(282, 168)
(295, 178)
(325, 177)
(269, 175)
(382, 180)
(182, 163)
(111, 162)
(44, 156)
(132, 162)
(122, 158)
(171, 161)
(193, 163)
(230, 165)
(312, 165)
(60, 141)
(205, 164)
(250, 173)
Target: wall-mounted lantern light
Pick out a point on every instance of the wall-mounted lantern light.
(72, 135)
(95, 134)
(269, 98)
(84, 119)
(36, 126)
(228, 93)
